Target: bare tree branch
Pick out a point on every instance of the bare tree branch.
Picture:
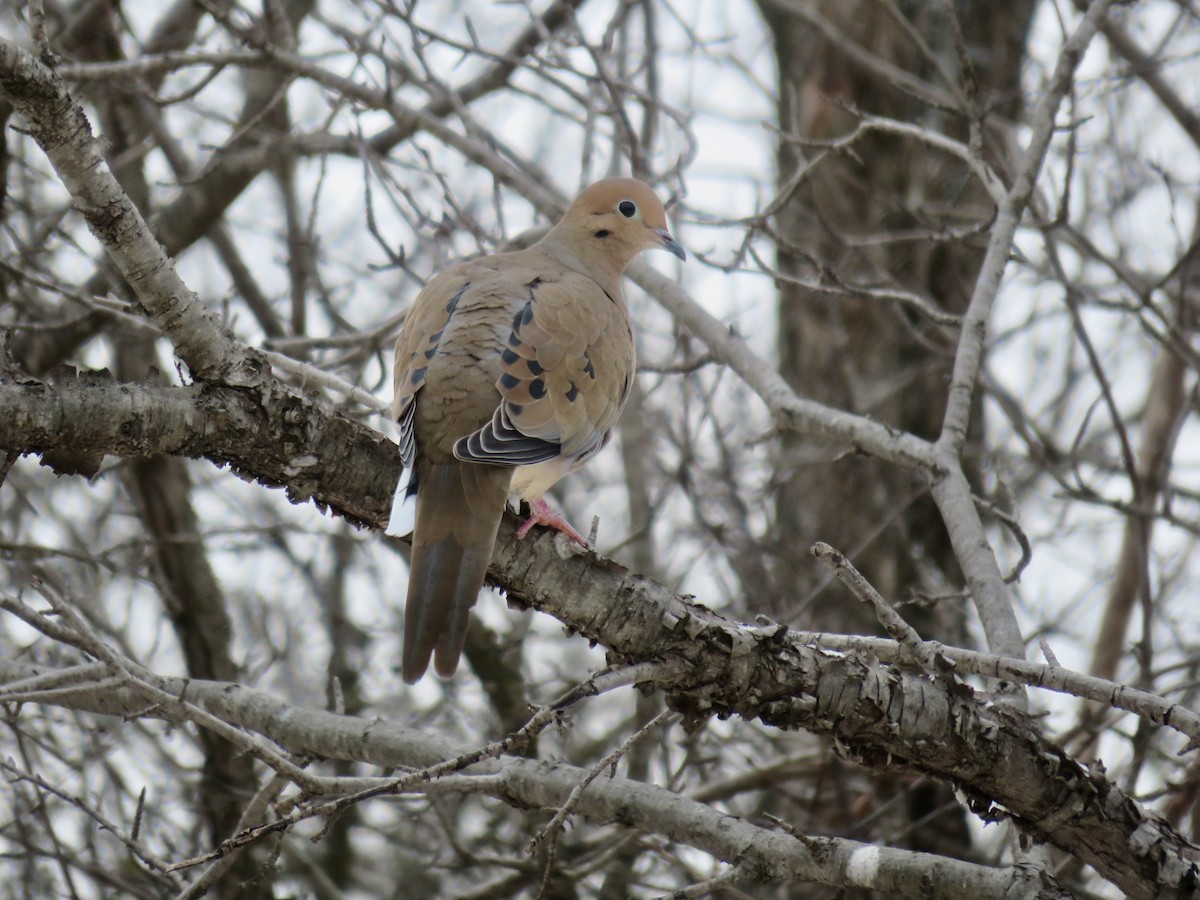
(764, 855)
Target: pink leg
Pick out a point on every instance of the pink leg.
(542, 514)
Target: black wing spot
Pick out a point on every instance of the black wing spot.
(526, 314)
(537, 389)
(436, 337)
(431, 352)
(508, 357)
(535, 368)
(589, 369)
(453, 304)
(508, 381)
(572, 393)
(514, 340)
(536, 281)
(418, 375)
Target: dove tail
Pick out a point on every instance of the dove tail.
(458, 512)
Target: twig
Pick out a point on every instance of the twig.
(37, 31)
(891, 620)
(131, 843)
(710, 888)
(142, 682)
(952, 494)
(356, 790)
(310, 373)
(255, 809)
(1014, 528)
(1047, 652)
(550, 832)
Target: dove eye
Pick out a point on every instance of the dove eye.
(627, 208)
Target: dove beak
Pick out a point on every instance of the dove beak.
(669, 243)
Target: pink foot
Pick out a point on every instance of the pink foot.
(542, 514)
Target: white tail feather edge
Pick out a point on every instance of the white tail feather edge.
(404, 507)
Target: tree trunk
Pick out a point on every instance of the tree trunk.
(878, 217)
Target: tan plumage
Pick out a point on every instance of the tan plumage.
(513, 363)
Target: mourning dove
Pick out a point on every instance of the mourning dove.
(511, 371)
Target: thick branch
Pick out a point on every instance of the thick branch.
(969, 356)
(270, 433)
(952, 493)
(885, 719)
(761, 853)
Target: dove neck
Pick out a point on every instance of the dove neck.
(603, 268)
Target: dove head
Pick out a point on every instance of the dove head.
(613, 221)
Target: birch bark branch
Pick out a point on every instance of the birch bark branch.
(762, 854)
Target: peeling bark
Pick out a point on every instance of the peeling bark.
(270, 434)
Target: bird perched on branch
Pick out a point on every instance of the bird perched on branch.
(511, 371)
